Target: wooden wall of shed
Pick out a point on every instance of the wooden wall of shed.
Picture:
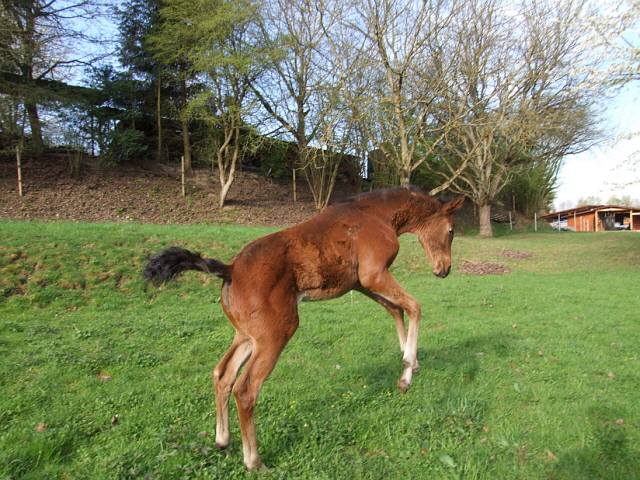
(582, 223)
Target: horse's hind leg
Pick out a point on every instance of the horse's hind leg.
(267, 349)
(224, 377)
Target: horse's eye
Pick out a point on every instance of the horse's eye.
(451, 232)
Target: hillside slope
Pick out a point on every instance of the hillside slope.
(142, 194)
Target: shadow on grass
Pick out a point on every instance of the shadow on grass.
(349, 408)
(610, 455)
(610, 451)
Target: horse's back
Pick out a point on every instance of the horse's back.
(317, 259)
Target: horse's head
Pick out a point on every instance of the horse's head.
(436, 236)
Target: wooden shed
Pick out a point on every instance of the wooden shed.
(596, 218)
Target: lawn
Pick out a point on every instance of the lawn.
(532, 374)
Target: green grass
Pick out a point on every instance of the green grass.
(529, 375)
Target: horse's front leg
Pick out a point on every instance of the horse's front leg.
(397, 313)
(384, 285)
(410, 357)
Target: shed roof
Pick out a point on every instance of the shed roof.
(590, 209)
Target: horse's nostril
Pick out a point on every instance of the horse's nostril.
(442, 271)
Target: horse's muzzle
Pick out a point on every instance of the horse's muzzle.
(442, 272)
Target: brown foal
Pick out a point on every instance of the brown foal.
(348, 246)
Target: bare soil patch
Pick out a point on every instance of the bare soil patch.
(150, 194)
(482, 268)
(516, 254)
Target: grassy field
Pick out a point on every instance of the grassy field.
(530, 375)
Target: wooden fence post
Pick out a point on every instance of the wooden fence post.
(19, 166)
(183, 192)
(295, 191)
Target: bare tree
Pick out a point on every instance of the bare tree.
(517, 74)
(298, 91)
(321, 164)
(385, 52)
(616, 38)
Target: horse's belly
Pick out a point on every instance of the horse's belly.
(323, 274)
(319, 294)
(314, 285)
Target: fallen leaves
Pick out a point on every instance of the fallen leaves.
(114, 195)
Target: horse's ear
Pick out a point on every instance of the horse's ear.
(453, 205)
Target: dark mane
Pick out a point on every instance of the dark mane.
(380, 192)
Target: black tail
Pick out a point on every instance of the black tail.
(171, 262)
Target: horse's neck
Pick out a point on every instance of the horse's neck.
(391, 214)
(410, 217)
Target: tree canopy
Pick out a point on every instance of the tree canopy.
(466, 96)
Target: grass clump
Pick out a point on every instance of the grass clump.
(533, 374)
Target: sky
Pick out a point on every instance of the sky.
(603, 170)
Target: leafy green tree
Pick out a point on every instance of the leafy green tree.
(214, 41)
(138, 21)
(590, 200)
(114, 122)
(173, 43)
(533, 185)
(162, 92)
(625, 201)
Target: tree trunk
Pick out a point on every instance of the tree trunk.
(159, 121)
(37, 144)
(224, 191)
(485, 220)
(227, 167)
(405, 177)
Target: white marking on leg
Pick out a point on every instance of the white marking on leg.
(409, 359)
